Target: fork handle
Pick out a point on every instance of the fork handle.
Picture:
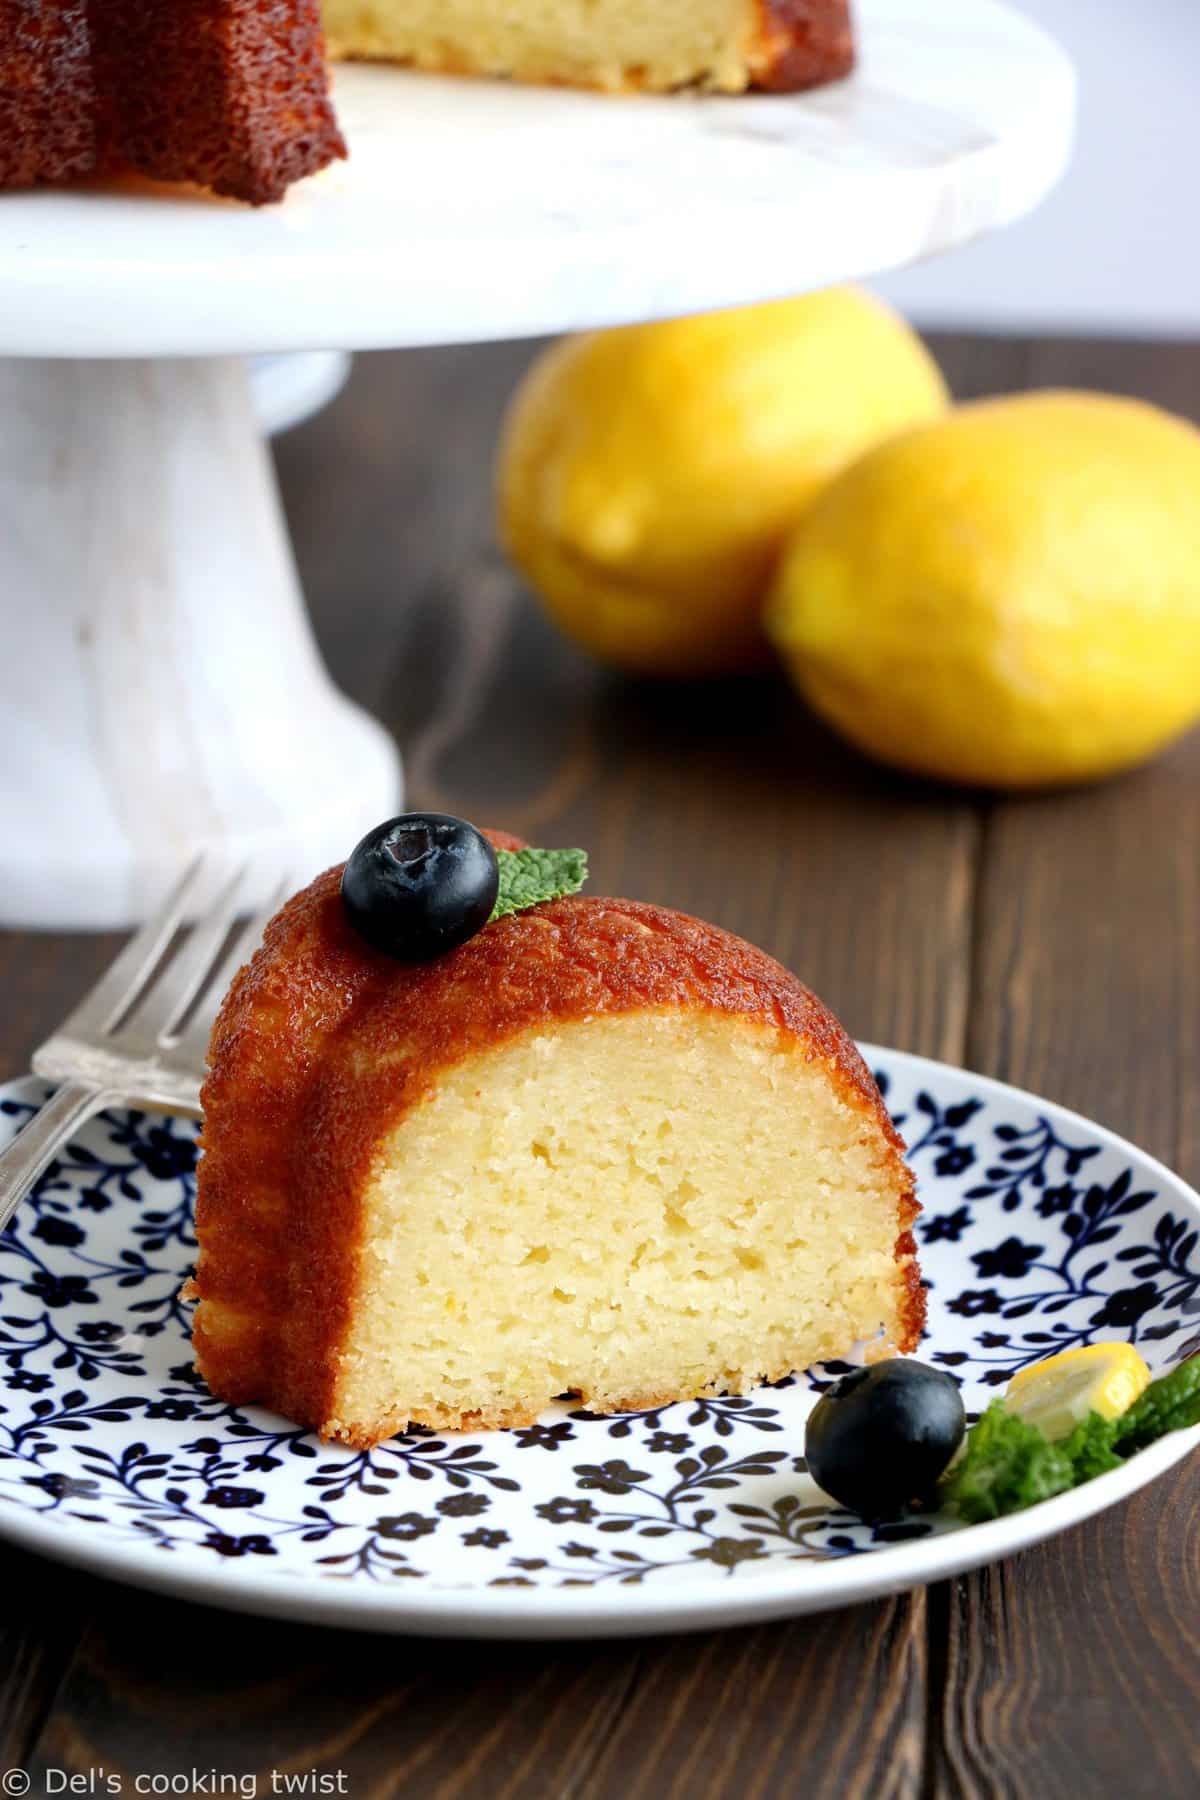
(39, 1142)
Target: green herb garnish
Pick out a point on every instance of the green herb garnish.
(1006, 1464)
(1090, 1447)
(1169, 1404)
(529, 877)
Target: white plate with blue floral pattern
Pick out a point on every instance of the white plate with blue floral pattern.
(1040, 1232)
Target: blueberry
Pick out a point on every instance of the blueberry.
(420, 885)
(882, 1436)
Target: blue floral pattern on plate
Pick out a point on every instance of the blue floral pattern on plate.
(1036, 1236)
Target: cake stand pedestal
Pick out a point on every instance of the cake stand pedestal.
(161, 691)
(289, 389)
(162, 688)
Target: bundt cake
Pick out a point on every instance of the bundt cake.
(229, 94)
(718, 44)
(599, 1148)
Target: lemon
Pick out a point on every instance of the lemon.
(647, 476)
(1008, 597)
(1059, 1393)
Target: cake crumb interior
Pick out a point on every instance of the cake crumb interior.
(632, 1207)
(669, 44)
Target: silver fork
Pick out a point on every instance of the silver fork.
(141, 1035)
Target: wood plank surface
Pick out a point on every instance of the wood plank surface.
(1050, 941)
(1073, 1670)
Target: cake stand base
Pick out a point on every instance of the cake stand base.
(289, 389)
(162, 692)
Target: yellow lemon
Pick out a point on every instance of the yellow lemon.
(1010, 596)
(1059, 1393)
(647, 476)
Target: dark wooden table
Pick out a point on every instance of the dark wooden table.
(1054, 942)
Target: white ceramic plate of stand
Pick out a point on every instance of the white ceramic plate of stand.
(1041, 1231)
(473, 209)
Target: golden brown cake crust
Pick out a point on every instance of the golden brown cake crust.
(802, 43)
(322, 1044)
(47, 93)
(229, 94)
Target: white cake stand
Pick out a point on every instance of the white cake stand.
(161, 689)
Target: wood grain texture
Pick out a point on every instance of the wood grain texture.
(43, 1614)
(395, 1717)
(1088, 990)
(42, 975)
(835, 1702)
(1052, 941)
(1073, 1670)
(43, 1609)
(776, 1712)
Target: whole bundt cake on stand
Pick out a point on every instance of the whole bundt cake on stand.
(599, 1147)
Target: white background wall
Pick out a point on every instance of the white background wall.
(1116, 248)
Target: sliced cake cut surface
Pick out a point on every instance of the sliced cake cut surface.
(601, 1148)
(727, 45)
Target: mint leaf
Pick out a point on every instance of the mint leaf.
(1006, 1466)
(1169, 1404)
(1090, 1447)
(529, 877)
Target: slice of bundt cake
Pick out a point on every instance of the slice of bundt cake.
(728, 45)
(229, 94)
(600, 1148)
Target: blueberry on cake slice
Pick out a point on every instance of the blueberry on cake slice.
(473, 1140)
